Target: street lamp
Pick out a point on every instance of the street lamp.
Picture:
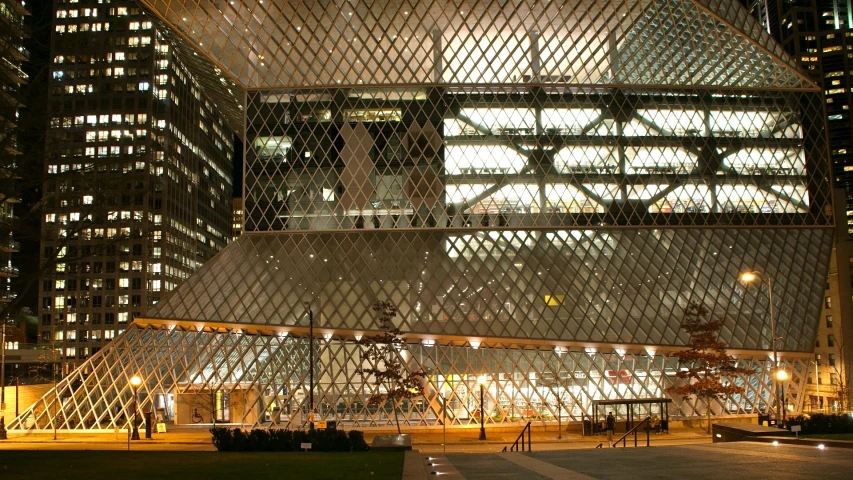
(781, 376)
(3, 383)
(135, 382)
(749, 277)
(310, 365)
(482, 381)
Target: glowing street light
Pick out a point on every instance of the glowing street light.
(135, 382)
(481, 380)
(749, 277)
(781, 376)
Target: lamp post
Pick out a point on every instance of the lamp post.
(781, 376)
(310, 366)
(481, 380)
(446, 392)
(135, 382)
(560, 415)
(749, 277)
(817, 386)
(3, 383)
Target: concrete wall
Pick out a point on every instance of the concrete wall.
(187, 403)
(28, 396)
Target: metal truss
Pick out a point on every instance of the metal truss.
(261, 380)
(441, 157)
(371, 42)
(571, 287)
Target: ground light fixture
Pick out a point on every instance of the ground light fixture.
(481, 380)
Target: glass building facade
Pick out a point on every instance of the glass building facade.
(12, 77)
(540, 188)
(138, 187)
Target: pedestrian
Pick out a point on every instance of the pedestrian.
(611, 425)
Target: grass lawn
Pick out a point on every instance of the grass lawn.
(188, 465)
(830, 436)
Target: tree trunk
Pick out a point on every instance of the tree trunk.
(397, 418)
(709, 415)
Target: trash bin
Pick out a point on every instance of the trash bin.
(768, 420)
(148, 424)
(587, 427)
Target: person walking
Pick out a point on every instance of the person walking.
(611, 425)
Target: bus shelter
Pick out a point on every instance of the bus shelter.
(629, 411)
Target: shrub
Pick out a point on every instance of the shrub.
(221, 438)
(258, 441)
(820, 423)
(356, 441)
(281, 440)
(238, 440)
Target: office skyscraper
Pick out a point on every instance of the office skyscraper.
(138, 175)
(12, 55)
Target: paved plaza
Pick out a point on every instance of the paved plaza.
(197, 438)
(739, 460)
(685, 453)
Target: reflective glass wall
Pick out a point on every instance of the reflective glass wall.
(538, 157)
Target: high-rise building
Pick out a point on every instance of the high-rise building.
(819, 36)
(237, 221)
(12, 55)
(829, 379)
(12, 76)
(541, 188)
(138, 183)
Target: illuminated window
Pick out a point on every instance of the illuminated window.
(554, 300)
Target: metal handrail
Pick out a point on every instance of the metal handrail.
(514, 447)
(648, 422)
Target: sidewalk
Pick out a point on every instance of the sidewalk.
(466, 441)
(197, 438)
(177, 438)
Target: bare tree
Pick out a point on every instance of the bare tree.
(391, 376)
(706, 360)
(842, 371)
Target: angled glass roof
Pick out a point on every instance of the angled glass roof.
(313, 43)
(615, 286)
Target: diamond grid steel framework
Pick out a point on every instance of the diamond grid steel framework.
(540, 187)
(266, 387)
(330, 43)
(624, 286)
(532, 157)
(238, 326)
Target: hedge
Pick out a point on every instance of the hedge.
(822, 423)
(283, 440)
